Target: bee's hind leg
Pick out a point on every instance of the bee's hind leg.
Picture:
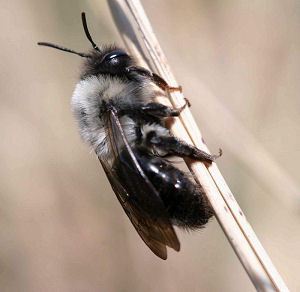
(174, 146)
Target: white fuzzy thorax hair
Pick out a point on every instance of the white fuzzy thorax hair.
(86, 103)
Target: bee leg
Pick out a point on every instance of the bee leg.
(159, 81)
(174, 146)
(159, 110)
(186, 104)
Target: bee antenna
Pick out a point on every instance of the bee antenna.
(86, 30)
(63, 49)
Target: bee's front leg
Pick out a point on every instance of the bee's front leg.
(159, 81)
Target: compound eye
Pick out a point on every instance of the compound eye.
(113, 56)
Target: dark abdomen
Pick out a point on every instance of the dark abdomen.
(184, 200)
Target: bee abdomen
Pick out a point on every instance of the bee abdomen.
(185, 201)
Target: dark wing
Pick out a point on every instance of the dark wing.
(136, 194)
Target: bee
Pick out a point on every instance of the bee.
(117, 115)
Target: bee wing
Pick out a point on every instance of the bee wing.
(136, 194)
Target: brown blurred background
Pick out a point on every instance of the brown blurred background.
(61, 227)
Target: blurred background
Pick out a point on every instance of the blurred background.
(61, 227)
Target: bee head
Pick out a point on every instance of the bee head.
(107, 60)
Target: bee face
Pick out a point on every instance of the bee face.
(110, 60)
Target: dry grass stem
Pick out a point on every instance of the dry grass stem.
(141, 42)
